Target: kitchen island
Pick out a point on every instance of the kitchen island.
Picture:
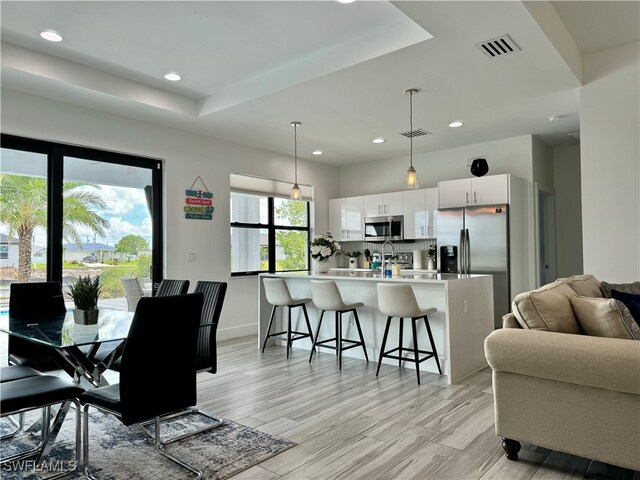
(462, 322)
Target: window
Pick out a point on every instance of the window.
(89, 212)
(268, 234)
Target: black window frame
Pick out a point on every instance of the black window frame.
(56, 152)
(271, 228)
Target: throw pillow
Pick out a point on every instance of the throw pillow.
(605, 317)
(631, 301)
(585, 285)
(633, 287)
(547, 308)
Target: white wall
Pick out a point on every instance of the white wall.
(566, 174)
(610, 163)
(186, 156)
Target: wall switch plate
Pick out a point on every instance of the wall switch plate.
(191, 257)
(466, 306)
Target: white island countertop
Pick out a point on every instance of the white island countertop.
(463, 319)
(375, 276)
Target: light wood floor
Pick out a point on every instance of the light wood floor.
(351, 425)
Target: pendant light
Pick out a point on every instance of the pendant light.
(296, 192)
(411, 180)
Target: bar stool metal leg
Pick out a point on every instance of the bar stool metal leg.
(433, 344)
(355, 316)
(400, 343)
(315, 340)
(415, 347)
(384, 343)
(339, 339)
(288, 332)
(309, 329)
(266, 337)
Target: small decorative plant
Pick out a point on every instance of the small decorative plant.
(352, 254)
(324, 246)
(431, 253)
(85, 293)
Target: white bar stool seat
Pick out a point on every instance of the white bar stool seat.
(399, 301)
(326, 297)
(277, 294)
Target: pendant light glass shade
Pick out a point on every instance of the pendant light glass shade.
(411, 180)
(296, 191)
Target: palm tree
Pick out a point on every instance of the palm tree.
(23, 208)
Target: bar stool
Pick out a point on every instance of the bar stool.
(278, 295)
(400, 301)
(326, 296)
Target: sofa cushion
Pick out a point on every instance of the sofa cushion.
(547, 308)
(585, 285)
(631, 301)
(633, 287)
(605, 317)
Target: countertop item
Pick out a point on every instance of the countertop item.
(417, 259)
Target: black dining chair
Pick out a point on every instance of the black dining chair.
(206, 353)
(34, 300)
(21, 395)
(153, 384)
(8, 374)
(172, 287)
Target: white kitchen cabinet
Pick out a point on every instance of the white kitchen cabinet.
(420, 210)
(383, 204)
(491, 190)
(345, 218)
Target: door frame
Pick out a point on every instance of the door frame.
(539, 189)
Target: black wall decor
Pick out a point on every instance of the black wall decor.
(479, 167)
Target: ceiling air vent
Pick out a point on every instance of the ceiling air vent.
(418, 132)
(498, 47)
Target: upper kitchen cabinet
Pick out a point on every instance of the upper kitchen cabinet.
(491, 190)
(384, 204)
(345, 218)
(420, 209)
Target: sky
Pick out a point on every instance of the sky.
(125, 210)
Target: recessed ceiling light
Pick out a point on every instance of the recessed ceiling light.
(317, 152)
(456, 123)
(173, 76)
(554, 118)
(378, 140)
(51, 36)
(346, 1)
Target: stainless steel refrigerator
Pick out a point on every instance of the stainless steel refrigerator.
(481, 235)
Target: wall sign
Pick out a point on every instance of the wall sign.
(199, 203)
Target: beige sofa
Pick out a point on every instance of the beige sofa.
(569, 392)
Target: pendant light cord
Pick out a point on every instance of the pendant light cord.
(295, 152)
(411, 128)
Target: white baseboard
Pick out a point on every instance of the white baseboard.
(237, 331)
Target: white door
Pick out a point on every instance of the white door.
(336, 214)
(392, 203)
(454, 193)
(431, 211)
(353, 222)
(373, 206)
(492, 190)
(415, 214)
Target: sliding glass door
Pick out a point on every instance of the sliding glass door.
(98, 214)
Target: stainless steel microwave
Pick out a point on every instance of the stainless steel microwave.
(379, 229)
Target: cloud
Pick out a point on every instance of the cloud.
(118, 200)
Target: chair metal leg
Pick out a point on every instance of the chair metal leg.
(19, 426)
(384, 342)
(433, 344)
(415, 348)
(161, 449)
(182, 413)
(339, 339)
(336, 331)
(266, 337)
(400, 342)
(309, 329)
(355, 316)
(288, 331)
(315, 340)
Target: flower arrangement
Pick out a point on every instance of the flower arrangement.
(352, 254)
(324, 246)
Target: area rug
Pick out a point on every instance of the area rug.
(121, 453)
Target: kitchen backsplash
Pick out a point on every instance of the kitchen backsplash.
(422, 245)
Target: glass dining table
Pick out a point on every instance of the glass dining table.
(73, 345)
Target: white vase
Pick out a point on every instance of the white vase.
(353, 262)
(321, 266)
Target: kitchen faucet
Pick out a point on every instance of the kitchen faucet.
(393, 253)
